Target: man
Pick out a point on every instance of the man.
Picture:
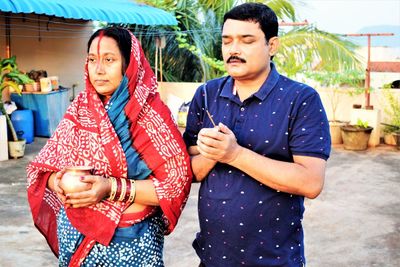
(266, 154)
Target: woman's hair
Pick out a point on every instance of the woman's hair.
(123, 39)
(256, 12)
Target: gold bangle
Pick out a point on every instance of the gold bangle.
(113, 189)
(132, 193)
(123, 189)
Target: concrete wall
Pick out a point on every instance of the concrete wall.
(55, 45)
(173, 94)
(380, 53)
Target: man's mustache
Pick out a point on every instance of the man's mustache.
(235, 58)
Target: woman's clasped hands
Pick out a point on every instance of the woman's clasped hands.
(92, 190)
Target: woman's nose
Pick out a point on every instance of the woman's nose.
(99, 67)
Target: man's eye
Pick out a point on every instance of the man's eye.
(248, 41)
(226, 40)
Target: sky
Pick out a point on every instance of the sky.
(349, 16)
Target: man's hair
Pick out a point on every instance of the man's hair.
(123, 39)
(256, 12)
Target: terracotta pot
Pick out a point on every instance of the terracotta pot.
(397, 137)
(28, 87)
(334, 129)
(355, 138)
(71, 182)
(389, 139)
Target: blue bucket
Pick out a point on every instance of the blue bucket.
(23, 124)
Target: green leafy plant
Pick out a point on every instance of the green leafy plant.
(10, 76)
(194, 46)
(362, 124)
(343, 82)
(392, 110)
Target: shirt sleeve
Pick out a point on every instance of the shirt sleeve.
(309, 130)
(194, 121)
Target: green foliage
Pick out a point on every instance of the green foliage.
(349, 81)
(10, 76)
(197, 39)
(392, 109)
(362, 124)
(305, 49)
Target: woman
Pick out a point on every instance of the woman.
(120, 127)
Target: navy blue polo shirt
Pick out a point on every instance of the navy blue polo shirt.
(243, 222)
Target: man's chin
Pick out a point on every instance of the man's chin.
(235, 71)
(236, 74)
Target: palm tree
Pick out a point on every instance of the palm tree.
(193, 48)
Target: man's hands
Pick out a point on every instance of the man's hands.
(218, 144)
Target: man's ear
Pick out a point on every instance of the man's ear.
(273, 45)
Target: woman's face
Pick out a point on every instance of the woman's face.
(105, 66)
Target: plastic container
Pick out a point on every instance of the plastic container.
(23, 124)
(54, 82)
(183, 113)
(45, 85)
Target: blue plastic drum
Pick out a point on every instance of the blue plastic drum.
(23, 124)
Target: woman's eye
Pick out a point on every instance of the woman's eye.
(109, 59)
(92, 60)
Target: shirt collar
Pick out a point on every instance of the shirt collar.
(262, 93)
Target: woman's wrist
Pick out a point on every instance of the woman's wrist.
(121, 189)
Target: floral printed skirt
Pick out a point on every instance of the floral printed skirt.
(138, 245)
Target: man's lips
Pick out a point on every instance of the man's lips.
(235, 62)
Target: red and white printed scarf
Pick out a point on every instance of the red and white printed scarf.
(85, 136)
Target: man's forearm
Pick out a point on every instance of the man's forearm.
(303, 177)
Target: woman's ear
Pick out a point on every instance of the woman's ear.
(273, 45)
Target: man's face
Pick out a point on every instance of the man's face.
(245, 50)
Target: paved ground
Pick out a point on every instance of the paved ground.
(355, 222)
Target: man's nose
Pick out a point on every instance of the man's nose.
(234, 48)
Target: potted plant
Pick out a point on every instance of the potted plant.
(10, 76)
(337, 83)
(356, 137)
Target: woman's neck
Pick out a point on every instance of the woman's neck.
(105, 98)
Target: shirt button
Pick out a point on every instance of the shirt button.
(242, 109)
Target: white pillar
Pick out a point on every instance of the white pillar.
(3, 138)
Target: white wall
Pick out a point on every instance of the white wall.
(185, 91)
(380, 53)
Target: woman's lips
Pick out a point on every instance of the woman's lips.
(100, 82)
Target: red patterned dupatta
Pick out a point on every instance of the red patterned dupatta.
(86, 136)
